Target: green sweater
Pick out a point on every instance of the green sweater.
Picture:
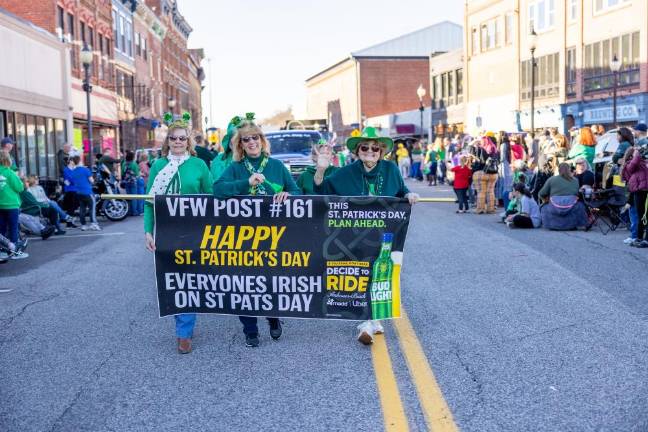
(354, 180)
(194, 179)
(10, 188)
(559, 186)
(305, 180)
(234, 180)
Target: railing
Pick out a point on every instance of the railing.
(596, 83)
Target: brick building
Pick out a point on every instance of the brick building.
(378, 80)
(175, 55)
(196, 78)
(75, 23)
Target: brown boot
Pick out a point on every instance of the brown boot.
(184, 345)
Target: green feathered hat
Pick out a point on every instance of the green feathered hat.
(369, 134)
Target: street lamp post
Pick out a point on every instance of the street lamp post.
(533, 40)
(420, 92)
(86, 60)
(615, 66)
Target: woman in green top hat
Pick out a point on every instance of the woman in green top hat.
(369, 175)
(254, 172)
(305, 180)
(177, 172)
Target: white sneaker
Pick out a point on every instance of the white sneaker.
(366, 333)
(628, 241)
(19, 255)
(95, 227)
(85, 227)
(377, 327)
(4, 256)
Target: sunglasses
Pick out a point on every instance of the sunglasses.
(366, 148)
(247, 139)
(181, 138)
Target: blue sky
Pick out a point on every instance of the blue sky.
(262, 51)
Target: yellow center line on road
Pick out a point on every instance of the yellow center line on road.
(435, 409)
(390, 400)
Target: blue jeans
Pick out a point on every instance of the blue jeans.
(141, 190)
(634, 222)
(415, 170)
(62, 215)
(250, 324)
(9, 223)
(185, 324)
(131, 189)
(505, 198)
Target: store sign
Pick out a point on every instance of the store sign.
(604, 115)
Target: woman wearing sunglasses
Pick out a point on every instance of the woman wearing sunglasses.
(254, 172)
(368, 175)
(177, 172)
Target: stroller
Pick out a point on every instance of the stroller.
(605, 208)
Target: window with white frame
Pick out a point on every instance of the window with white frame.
(573, 9)
(542, 15)
(489, 36)
(508, 29)
(602, 5)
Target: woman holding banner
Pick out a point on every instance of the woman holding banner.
(369, 175)
(177, 172)
(254, 172)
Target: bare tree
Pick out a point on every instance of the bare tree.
(279, 118)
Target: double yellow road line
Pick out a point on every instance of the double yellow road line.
(435, 409)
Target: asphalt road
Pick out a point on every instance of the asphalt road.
(524, 330)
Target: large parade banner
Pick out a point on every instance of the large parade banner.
(309, 257)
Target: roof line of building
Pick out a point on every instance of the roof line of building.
(406, 35)
(374, 57)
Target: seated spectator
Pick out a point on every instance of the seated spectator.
(39, 193)
(32, 207)
(34, 225)
(562, 209)
(528, 212)
(540, 178)
(584, 174)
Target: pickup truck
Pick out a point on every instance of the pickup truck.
(293, 148)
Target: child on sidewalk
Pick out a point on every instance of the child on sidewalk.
(462, 179)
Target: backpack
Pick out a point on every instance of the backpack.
(491, 164)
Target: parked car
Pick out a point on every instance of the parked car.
(293, 148)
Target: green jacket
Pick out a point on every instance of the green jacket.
(30, 205)
(234, 180)
(353, 180)
(579, 150)
(559, 186)
(10, 188)
(133, 167)
(220, 164)
(194, 179)
(305, 180)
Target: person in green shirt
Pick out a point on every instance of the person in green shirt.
(254, 172)
(10, 188)
(177, 172)
(305, 180)
(130, 180)
(220, 163)
(369, 175)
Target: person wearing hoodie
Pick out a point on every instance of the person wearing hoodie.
(10, 188)
(305, 180)
(635, 174)
(224, 159)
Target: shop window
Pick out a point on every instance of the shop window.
(61, 133)
(21, 142)
(32, 161)
(41, 148)
(597, 75)
(51, 148)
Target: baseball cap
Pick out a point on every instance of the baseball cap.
(641, 127)
(6, 140)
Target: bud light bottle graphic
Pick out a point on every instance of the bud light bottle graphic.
(381, 281)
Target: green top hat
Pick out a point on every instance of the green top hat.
(368, 134)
